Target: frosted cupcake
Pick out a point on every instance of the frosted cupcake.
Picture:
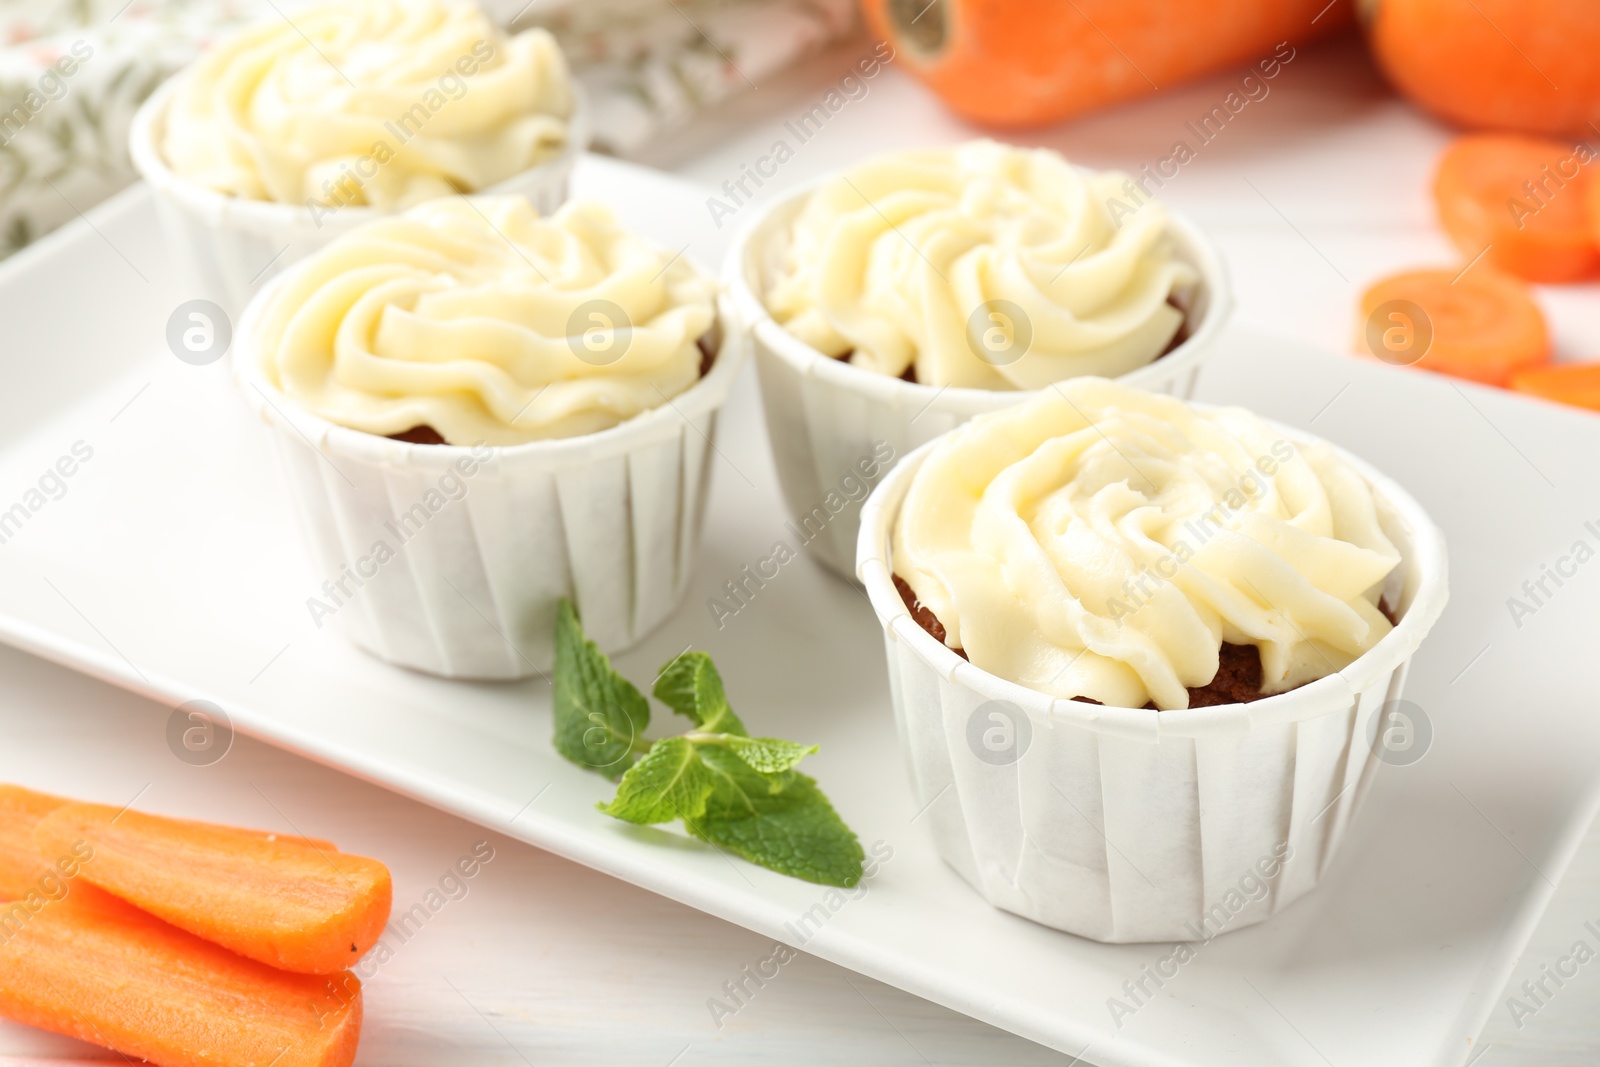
(1192, 613)
(307, 124)
(893, 301)
(483, 411)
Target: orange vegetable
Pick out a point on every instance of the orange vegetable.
(1594, 208)
(22, 869)
(322, 844)
(1493, 64)
(1029, 64)
(1566, 383)
(102, 971)
(1524, 199)
(286, 902)
(1480, 324)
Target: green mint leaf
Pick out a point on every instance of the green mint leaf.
(599, 717)
(739, 793)
(780, 821)
(668, 784)
(768, 755)
(691, 686)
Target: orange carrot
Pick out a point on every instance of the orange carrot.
(1493, 64)
(1026, 64)
(319, 843)
(1577, 384)
(102, 971)
(22, 869)
(1479, 324)
(1594, 208)
(285, 902)
(1520, 201)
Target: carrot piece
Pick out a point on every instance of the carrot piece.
(23, 870)
(1593, 196)
(1480, 325)
(104, 972)
(287, 903)
(1524, 200)
(1492, 64)
(1028, 64)
(319, 843)
(1577, 384)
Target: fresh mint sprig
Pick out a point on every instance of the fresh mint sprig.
(737, 792)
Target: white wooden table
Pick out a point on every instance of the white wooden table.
(1312, 191)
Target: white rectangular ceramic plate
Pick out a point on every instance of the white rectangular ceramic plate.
(169, 565)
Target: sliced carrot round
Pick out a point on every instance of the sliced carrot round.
(1523, 199)
(1476, 324)
(1577, 384)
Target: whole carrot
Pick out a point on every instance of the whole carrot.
(1527, 65)
(1026, 64)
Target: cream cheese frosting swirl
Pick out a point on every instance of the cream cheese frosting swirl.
(476, 317)
(378, 102)
(1100, 541)
(981, 266)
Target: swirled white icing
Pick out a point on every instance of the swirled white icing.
(982, 266)
(1100, 541)
(478, 318)
(377, 102)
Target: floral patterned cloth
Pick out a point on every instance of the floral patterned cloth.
(63, 136)
(72, 73)
(649, 65)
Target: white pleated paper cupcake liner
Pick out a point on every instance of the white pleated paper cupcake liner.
(825, 415)
(1127, 825)
(227, 249)
(474, 565)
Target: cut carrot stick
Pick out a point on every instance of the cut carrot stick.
(1577, 384)
(321, 844)
(1480, 324)
(1521, 202)
(22, 869)
(287, 903)
(114, 976)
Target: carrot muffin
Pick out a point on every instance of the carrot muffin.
(556, 408)
(1110, 545)
(475, 321)
(383, 103)
(982, 266)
